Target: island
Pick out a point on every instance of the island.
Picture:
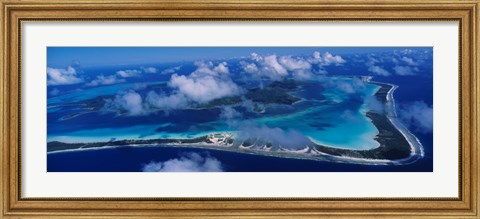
(397, 145)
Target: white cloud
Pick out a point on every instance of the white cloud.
(229, 113)
(149, 70)
(395, 60)
(300, 68)
(136, 72)
(169, 71)
(105, 80)
(288, 139)
(221, 68)
(256, 57)
(326, 59)
(206, 83)
(166, 102)
(406, 62)
(374, 104)
(208, 68)
(129, 73)
(203, 89)
(129, 102)
(378, 70)
(58, 76)
(270, 64)
(331, 59)
(347, 86)
(302, 74)
(190, 162)
(407, 51)
(409, 61)
(417, 115)
(267, 66)
(374, 68)
(403, 70)
(249, 67)
(274, 67)
(294, 63)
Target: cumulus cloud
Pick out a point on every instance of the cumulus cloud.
(374, 104)
(166, 102)
(206, 83)
(188, 162)
(250, 106)
(208, 68)
(105, 80)
(267, 67)
(249, 67)
(300, 68)
(351, 86)
(327, 59)
(129, 102)
(276, 67)
(169, 71)
(287, 139)
(272, 67)
(59, 76)
(149, 70)
(221, 68)
(229, 113)
(347, 86)
(256, 57)
(408, 66)
(408, 60)
(292, 64)
(378, 70)
(407, 51)
(373, 67)
(417, 115)
(129, 73)
(204, 89)
(403, 70)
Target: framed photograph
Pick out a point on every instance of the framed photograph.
(251, 109)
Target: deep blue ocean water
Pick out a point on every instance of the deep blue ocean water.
(132, 159)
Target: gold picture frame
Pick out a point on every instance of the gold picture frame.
(15, 12)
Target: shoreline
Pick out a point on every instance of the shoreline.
(315, 152)
(415, 144)
(405, 149)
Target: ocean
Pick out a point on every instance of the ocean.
(133, 159)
